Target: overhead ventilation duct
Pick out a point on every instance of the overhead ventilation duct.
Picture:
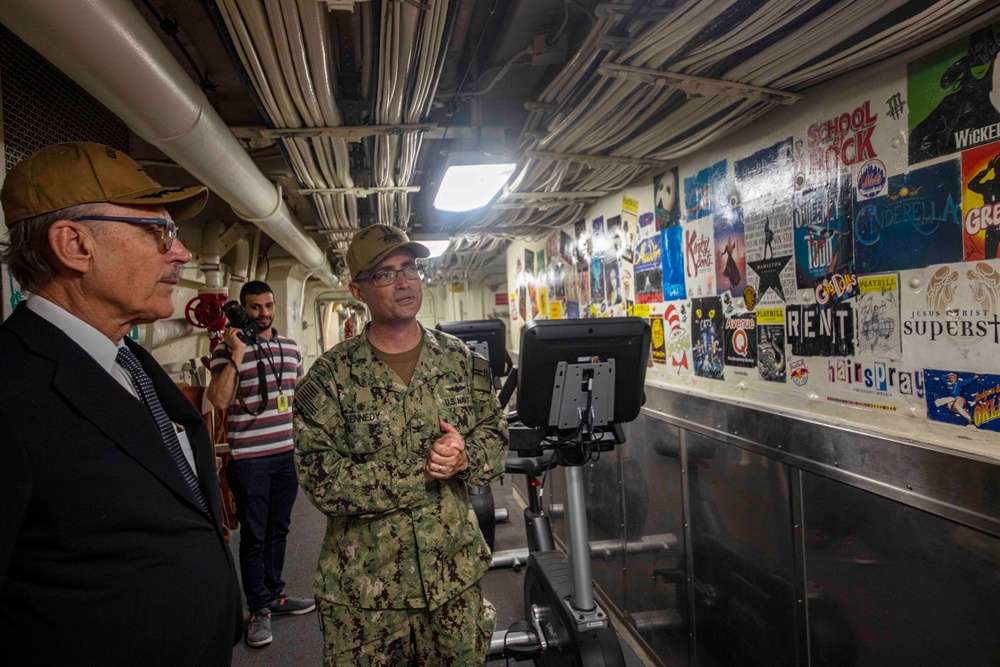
(109, 49)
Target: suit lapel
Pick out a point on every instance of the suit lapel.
(92, 392)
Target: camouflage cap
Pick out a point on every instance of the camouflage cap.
(81, 172)
(371, 244)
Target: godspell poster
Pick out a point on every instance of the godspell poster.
(917, 222)
(730, 251)
(707, 332)
(951, 316)
(771, 344)
(951, 95)
(824, 242)
(672, 239)
(981, 202)
(677, 337)
(699, 258)
(667, 200)
(648, 270)
(770, 243)
(878, 323)
(705, 192)
(964, 399)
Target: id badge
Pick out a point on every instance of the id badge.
(282, 403)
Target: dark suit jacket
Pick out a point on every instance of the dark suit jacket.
(106, 557)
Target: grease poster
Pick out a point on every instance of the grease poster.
(981, 202)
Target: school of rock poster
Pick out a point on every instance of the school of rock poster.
(771, 344)
(648, 270)
(963, 398)
(705, 192)
(666, 200)
(950, 96)
(672, 241)
(917, 222)
(707, 331)
(877, 306)
(770, 249)
(730, 251)
(981, 202)
(824, 243)
(699, 258)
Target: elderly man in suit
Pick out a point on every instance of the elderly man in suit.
(111, 543)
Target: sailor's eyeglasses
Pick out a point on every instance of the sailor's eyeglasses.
(164, 228)
(386, 277)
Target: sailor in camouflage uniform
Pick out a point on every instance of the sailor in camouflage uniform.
(390, 427)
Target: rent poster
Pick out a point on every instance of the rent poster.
(705, 192)
(765, 172)
(707, 332)
(951, 95)
(964, 399)
(771, 344)
(730, 251)
(770, 242)
(917, 222)
(677, 337)
(951, 316)
(672, 239)
(877, 307)
(981, 202)
(824, 243)
(648, 270)
(741, 340)
(666, 199)
(699, 258)
(816, 331)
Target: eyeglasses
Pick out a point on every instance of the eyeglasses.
(166, 229)
(386, 277)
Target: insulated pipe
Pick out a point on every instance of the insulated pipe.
(241, 263)
(166, 331)
(109, 49)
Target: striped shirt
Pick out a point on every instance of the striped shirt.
(270, 432)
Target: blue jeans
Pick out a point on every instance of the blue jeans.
(264, 488)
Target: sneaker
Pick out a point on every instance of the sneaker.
(259, 628)
(289, 605)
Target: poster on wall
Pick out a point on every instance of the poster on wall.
(981, 202)
(597, 294)
(741, 340)
(540, 262)
(837, 142)
(666, 200)
(873, 385)
(771, 344)
(552, 247)
(816, 331)
(964, 399)
(583, 285)
(917, 222)
(529, 263)
(582, 241)
(770, 244)
(878, 323)
(612, 282)
(699, 258)
(951, 96)
(707, 327)
(648, 270)
(951, 316)
(658, 351)
(823, 233)
(646, 225)
(627, 278)
(522, 302)
(677, 337)
(672, 240)
(705, 192)
(566, 248)
(629, 227)
(730, 251)
(767, 172)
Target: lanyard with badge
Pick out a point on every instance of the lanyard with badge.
(277, 370)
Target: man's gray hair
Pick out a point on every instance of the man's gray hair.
(27, 250)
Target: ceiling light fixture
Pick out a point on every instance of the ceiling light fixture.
(471, 181)
(436, 243)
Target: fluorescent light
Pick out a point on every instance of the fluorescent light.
(467, 187)
(437, 248)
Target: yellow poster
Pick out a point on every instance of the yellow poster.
(556, 310)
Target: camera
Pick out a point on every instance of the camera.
(238, 318)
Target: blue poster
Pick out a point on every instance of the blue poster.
(823, 232)
(648, 264)
(673, 264)
(705, 192)
(918, 222)
(964, 399)
(707, 331)
(767, 172)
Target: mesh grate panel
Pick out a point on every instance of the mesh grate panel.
(41, 106)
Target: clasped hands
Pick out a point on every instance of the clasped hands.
(447, 456)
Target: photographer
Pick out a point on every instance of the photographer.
(253, 380)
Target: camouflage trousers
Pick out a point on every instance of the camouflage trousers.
(455, 634)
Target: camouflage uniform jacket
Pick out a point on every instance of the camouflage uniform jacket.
(361, 437)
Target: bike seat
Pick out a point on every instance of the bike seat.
(528, 465)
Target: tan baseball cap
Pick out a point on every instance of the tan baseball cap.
(81, 172)
(371, 244)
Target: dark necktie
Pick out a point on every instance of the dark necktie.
(144, 386)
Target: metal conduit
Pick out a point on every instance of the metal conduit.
(107, 47)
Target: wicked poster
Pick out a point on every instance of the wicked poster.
(705, 192)
(917, 222)
(951, 96)
(815, 331)
(981, 202)
(824, 243)
(707, 332)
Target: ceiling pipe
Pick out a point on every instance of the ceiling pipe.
(109, 49)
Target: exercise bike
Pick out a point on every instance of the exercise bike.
(578, 381)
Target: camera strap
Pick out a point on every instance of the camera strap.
(262, 377)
